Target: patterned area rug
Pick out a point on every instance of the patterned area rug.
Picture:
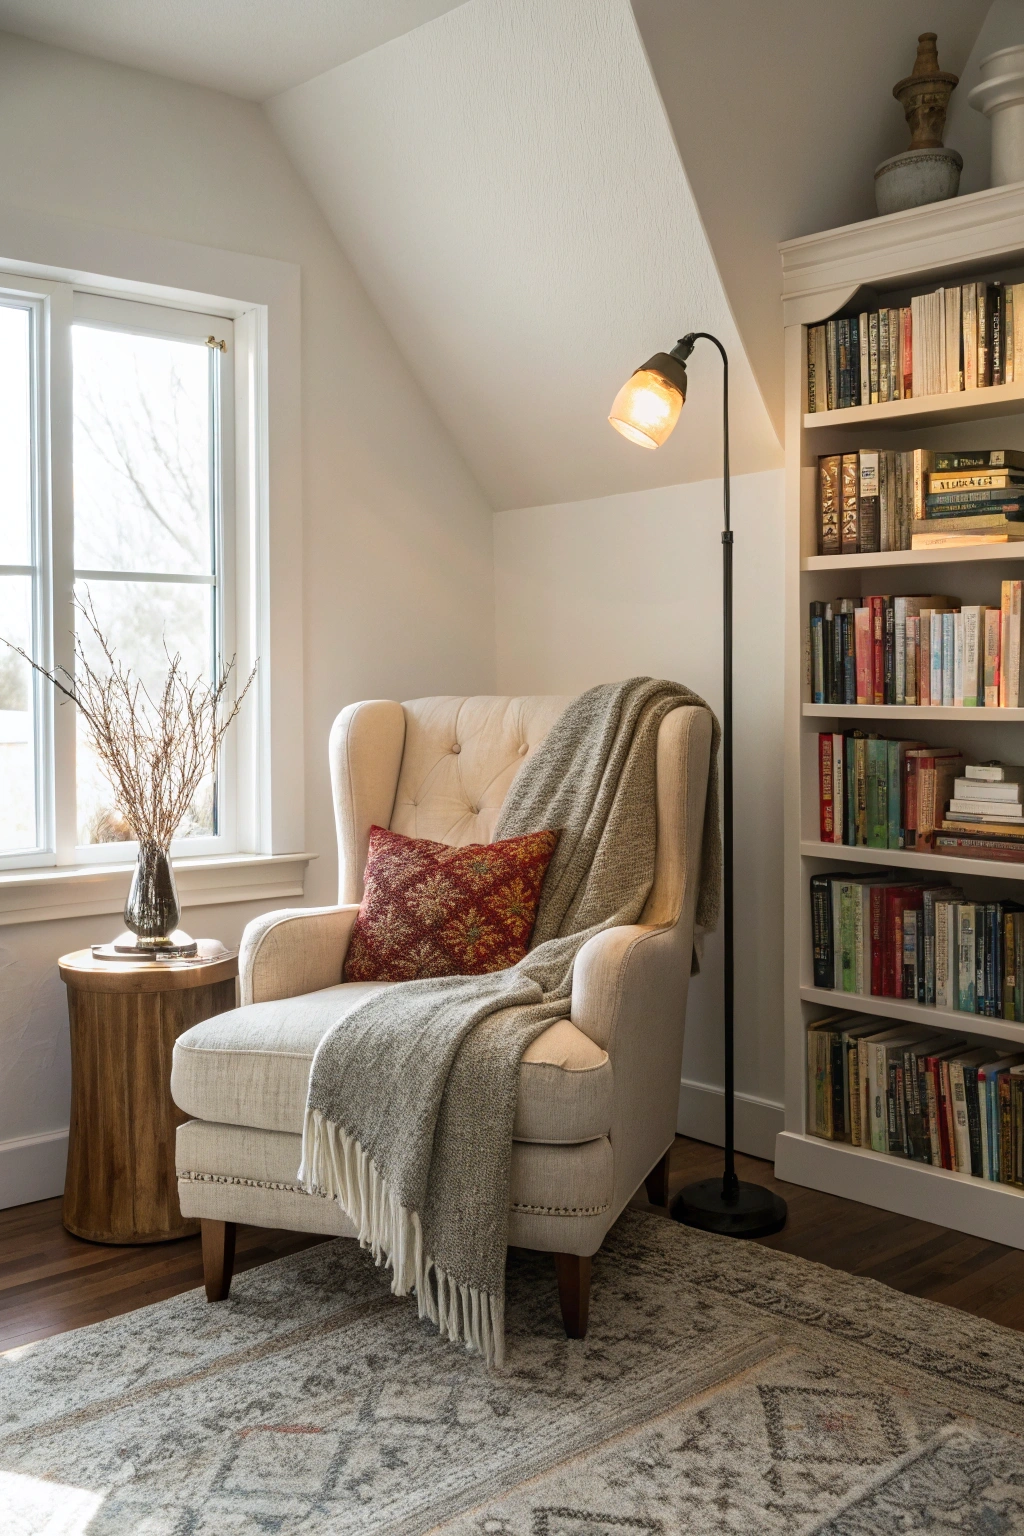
(723, 1388)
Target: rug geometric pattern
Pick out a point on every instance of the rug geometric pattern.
(722, 1388)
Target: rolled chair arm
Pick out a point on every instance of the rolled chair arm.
(634, 975)
(287, 953)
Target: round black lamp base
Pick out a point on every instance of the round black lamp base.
(751, 1212)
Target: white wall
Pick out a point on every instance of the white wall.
(398, 582)
(506, 185)
(590, 591)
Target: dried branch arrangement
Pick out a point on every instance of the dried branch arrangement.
(155, 752)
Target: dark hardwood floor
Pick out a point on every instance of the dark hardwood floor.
(51, 1281)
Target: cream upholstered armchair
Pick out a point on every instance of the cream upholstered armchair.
(598, 1090)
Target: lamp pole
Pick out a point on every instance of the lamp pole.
(726, 1206)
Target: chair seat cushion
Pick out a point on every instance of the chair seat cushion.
(251, 1067)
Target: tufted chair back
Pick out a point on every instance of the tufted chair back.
(440, 768)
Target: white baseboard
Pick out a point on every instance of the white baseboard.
(32, 1168)
(702, 1116)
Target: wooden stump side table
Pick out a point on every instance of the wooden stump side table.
(121, 1185)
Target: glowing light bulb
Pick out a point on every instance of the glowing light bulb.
(646, 408)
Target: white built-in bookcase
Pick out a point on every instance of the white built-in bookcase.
(886, 260)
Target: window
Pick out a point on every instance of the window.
(20, 800)
(136, 401)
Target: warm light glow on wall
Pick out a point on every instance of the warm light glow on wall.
(646, 408)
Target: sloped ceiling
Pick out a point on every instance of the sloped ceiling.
(781, 113)
(506, 185)
(247, 47)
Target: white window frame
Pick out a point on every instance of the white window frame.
(44, 255)
(55, 308)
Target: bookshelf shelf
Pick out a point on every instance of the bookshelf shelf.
(912, 712)
(963, 239)
(906, 858)
(917, 1013)
(926, 411)
(994, 1212)
(967, 554)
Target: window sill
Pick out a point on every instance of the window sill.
(87, 890)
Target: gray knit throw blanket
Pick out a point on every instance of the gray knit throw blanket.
(412, 1096)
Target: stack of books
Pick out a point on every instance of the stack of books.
(972, 498)
(915, 1092)
(883, 934)
(918, 651)
(960, 338)
(872, 499)
(985, 818)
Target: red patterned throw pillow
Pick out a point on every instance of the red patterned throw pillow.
(432, 910)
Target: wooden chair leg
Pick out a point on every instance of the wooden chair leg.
(218, 1257)
(657, 1182)
(574, 1293)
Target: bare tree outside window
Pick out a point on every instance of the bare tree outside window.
(143, 452)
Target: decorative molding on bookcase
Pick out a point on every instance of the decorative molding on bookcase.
(32, 1168)
(702, 1116)
(822, 272)
(994, 1212)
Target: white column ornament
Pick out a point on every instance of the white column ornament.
(1000, 95)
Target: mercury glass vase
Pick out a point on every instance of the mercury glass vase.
(152, 909)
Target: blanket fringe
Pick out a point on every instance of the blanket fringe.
(334, 1164)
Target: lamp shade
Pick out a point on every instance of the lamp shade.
(647, 407)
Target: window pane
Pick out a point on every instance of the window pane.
(138, 620)
(142, 453)
(17, 720)
(15, 436)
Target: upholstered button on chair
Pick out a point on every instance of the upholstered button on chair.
(598, 1089)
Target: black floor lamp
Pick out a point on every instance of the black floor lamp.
(645, 411)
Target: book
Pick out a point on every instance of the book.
(829, 504)
(969, 331)
(1007, 790)
(863, 655)
(973, 480)
(1012, 610)
(981, 458)
(953, 329)
(863, 349)
(966, 943)
(849, 504)
(984, 304)
(960, 805)
(832, 364)
(978, 847)
(991, 498)
(869, 525)
(966, 540)
(994, 773)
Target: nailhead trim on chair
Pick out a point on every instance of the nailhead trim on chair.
(223, 1178)
(296, 1189)
(559, 1210)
